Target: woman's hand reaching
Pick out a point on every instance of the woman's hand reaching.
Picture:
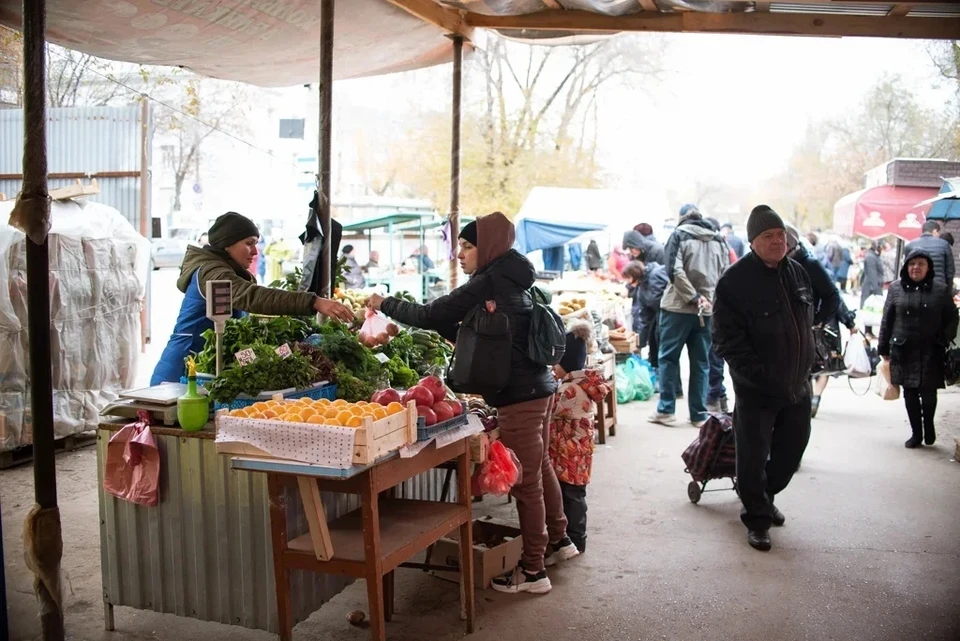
(333, 309)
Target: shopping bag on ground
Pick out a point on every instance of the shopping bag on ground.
(132, 468)
(856, 359)
(625, 391)
(640, 373)
(886, 389)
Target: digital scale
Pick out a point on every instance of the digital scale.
(160, 401)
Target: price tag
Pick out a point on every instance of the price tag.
(284, 351)
(383, 358)
(245, 357)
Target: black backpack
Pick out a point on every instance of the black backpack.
(547, 340)
(481, 359)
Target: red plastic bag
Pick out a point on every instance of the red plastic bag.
(376, 329)
(499, 473)
(132, 469)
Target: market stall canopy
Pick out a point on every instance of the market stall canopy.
(274, 42)
(946, 204)
(882, 211)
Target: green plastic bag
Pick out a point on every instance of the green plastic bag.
(633, 382)
(625, 390)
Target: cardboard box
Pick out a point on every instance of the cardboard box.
(492, 554)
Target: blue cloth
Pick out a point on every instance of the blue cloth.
(261, 259)
(948, 208)
(576, 255)
(843, 269)
(426, 263)
(716, 389)
(677, 330)
(535, 234)
(187, 334)
(553, 259)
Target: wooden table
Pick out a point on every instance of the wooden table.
(373, 541)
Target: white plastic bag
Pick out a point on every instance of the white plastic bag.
(871, 312)
(856, 359)
(377, 329)
(885, 389)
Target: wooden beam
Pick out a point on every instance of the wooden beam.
(901, 9)
(746, 23)
(553, 4)
(649, 5)
(761, 7)
(448, 20)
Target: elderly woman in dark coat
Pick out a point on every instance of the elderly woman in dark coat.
(919, 320)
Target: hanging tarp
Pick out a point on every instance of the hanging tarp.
(946, 204)
(534, 234)
(882, 211)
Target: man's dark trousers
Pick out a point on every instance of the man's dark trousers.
(771, 438)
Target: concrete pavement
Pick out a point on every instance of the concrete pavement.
(870, 550)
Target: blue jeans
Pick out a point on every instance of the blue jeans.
(717, 390)
(677, 330)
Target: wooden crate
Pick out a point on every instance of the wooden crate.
(373, 440)
(480, 445)
(626, 345)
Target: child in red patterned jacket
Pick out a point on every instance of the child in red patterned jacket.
(572, 428)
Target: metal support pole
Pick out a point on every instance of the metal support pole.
(325, 133)
(145, 211)
(46, 539)
(455, 153)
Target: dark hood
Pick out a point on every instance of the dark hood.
(514, 268)
(495, 237)
(634, 240)
(905, 277)
(197, 257)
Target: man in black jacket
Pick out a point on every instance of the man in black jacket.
(763, 320)
(939, 251)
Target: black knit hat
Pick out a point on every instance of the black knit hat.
(231, 228)
(469, 233)
(761, 219)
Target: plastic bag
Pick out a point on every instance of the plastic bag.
(634, 382)
(885, 388)
(376, 329)
(646, 378)
(857, 360)
(132, 468)
(871, 312)
(499, 473)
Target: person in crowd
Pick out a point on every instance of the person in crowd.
(947, 236)
(919, 321)
(645, 287)
(277, 253)
(496, 269)
(232, 247)
(871, 283)
(716, 390)
(817, 246)
(353, 279)
(643, 249)
(593, 257)
(572, 432)
(735, 242)
(764, 330)
(937, 249)
(262, 259)
(616, 261)
(888, 256)
(646, 230)
(373, 262)
(828, 311)
(696, 257)
(842, 269)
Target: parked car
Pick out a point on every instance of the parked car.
(169, 252)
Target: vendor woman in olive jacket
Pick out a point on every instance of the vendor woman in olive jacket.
(502, 274)
(228, 256)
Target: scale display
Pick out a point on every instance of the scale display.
(219, 300)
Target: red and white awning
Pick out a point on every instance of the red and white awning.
(883, 211)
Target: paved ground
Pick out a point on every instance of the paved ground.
(870, 551)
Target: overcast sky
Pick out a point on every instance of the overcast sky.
(730, 110)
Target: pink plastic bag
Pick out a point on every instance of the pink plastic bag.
(499, 473)
(376, 329)
(132, 469)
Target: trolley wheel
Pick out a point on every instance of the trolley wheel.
(694, 492)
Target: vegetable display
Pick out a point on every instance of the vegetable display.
(269, 371)
(241, 333)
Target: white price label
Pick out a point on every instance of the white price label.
(245, 357)
(383, 358)
(284, 351)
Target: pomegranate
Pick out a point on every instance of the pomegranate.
(385, 397)
(436, 387)
(443, 411)
(421, 395)
(429, 417)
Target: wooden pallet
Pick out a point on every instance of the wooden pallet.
(24, 455)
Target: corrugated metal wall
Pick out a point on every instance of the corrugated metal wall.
(204, 551)
(81, 140)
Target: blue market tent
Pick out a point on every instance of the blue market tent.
(535, 233)
(946, 205)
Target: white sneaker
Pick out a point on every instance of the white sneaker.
(518, 580)
(697, 424)
(563, 550)
(663, 419)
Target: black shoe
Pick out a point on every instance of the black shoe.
(519, 580)
(777, 516)
(814, 406)
(562, 550)
(929, 435)
(914, 441)
(759, 540)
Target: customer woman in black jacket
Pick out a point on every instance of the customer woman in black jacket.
(871, 283)
(919, 320)
(500, 274)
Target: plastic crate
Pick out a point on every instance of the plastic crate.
(425, 433)
(327, 391)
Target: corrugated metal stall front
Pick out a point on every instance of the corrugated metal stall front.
(205, 550)
(102, 142)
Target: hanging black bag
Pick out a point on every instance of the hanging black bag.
(482, 357)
